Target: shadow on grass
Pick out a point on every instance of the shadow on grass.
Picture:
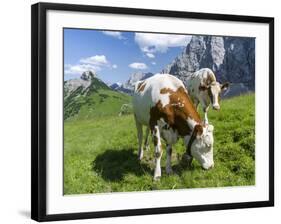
(114, 164)
(182, 166)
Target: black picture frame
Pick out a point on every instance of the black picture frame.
(38, 109)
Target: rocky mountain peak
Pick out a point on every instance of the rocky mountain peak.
(115, 85)
(232, 59)
(88, 75)
(135, 77)
(87, 82)
(128, 86)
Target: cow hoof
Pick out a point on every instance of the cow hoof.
(186, 162)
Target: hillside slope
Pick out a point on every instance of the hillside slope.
(90, 97)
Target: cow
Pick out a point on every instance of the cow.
(204, 89)
(162, 104)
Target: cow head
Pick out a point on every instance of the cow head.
(214, 91)
(201, 145)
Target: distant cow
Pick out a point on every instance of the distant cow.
(162, 104)
(204, 89)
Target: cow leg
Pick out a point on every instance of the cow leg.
(139, 130)
(146, 142)
(205, 102)
(206, 118)
(158, 152)
(168, 162)
(205, 115)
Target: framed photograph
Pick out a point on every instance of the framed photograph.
(139, 111)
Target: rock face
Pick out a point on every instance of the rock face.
(115, 85)
(128, 86)
(88, 75)
(236, 89)
(231, 58)
(87, 81)
(78, 92)
(73, 85)
(135, 77)
(119, 87)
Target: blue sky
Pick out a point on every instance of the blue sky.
(114, 55)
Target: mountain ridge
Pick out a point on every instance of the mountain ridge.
(92, 94)
(232, 59)
(128, 86)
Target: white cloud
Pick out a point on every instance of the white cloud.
(93, 63)
(79, 69)
(154, 63)
(97, 60)
(115, 34)
(138, 65)
(150, 55)
(151, 42)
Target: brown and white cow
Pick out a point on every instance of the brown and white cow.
(162, 104)
(204, 89)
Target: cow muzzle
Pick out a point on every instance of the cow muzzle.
(208, 166)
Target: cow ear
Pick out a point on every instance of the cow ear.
(203, 87)
(224, 86)
(198, 129)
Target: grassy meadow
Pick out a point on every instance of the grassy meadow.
(100, 150)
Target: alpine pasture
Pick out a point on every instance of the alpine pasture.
(100, 148)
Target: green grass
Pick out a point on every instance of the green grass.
(100, 152)
(101, 103)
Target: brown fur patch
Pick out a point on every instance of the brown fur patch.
(203, 87)
(210, 78)
(210, 95)
(141, 86)
(155, 140)
(175, 115)
(198, 130)
(166, 90)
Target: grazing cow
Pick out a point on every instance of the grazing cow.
(162, 104)
(204, 89)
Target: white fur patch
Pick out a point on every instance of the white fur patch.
(143, 101)
(202, 148)
(165, 99)
(191, 123)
